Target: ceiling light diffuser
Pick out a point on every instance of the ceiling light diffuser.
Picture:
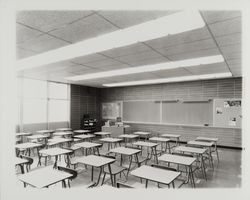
(168, 80)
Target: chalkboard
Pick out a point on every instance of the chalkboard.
(227, 113)
(141, 111)
(191, 113)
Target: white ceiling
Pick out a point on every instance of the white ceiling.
(41, 31)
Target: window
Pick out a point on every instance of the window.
(34, 89)
(58, 91)
(58, 110)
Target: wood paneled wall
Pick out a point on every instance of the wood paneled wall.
(84, 100)
(220, 88)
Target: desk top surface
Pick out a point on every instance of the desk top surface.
(84, 136)
(38, 136)
(171, 135)
(130, 136)
(23, 134)
(43, 177)
(145, 144)
(54, 141)
(190, 149)
(96, 161)
(207, 139)
(82, 131)
(87, 144)
(64, 129)
(45, 131)
(183, 160)
(62, 133)
(102, 133)
(155, 174)
(19, 161)
(159, 139)
(112, 140)
(141, 133)
(27, 145)
(54, 151)
(200, 143)
(125, 151)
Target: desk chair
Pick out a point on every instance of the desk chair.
(115, 169)
(68, 170)
(141, 159)
(30, 162)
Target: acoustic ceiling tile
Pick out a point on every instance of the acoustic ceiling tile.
(188, 47)
(150, 61)
(124, 18)
(172, 73)
(103, 63)
(229, 39)
(88, 27)
(89, 58)
(43, 43)
(23, 53)
(226, 27)
(24, 33)
(49, 20)
(208, 69)
(216, 16)
(185, 37)
(232, 55)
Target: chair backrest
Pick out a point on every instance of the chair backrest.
(68, 170)
(182, 154)
(30, 160)
(108, 156)
(163, 167)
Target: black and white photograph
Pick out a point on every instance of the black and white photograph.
(127, 99)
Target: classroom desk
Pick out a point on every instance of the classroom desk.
(162, 140)
(180, 160)
(27, 147)
(85, 137)
(88, 146)
(43, 177)
(126, 152)
(173, 136)
(22, 135)
(58, 141)
(142, 134)
(156, 175)
(96, 161)
(128, 138)
(38, 137)
(49, 132)
(103, 134)
(63, 134)
(63, 129)
(81, 131)
(20, 162)
(197, 151)
(208, 139)
(110, 141)
(203, 144)
(148, 145)
(54, 152)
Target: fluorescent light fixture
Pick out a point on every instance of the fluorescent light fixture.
(168, 80)
(150, 68)
(171, 24)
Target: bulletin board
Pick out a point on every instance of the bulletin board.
(111, 110)
(227, 113)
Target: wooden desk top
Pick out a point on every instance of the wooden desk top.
(38, 136)
(125, 151)
(54, 151)
(102, 133)
(190, 149)
(111, 140)
(159, 139)
(27, 145)
(145, 144)
(87, 145)
(54, 141)
(141, 133)
(183, 160)
(62, 133)
(155, 174)
(43, 177)
(64, 129)
(23, 134)
(84, 136)
(207, 139)
(81, 131)
(19, 161)
(45, 131)
(170, 135)
(96, 161)
(129, 136)
(199, 143)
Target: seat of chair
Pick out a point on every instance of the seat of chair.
(114, 169)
